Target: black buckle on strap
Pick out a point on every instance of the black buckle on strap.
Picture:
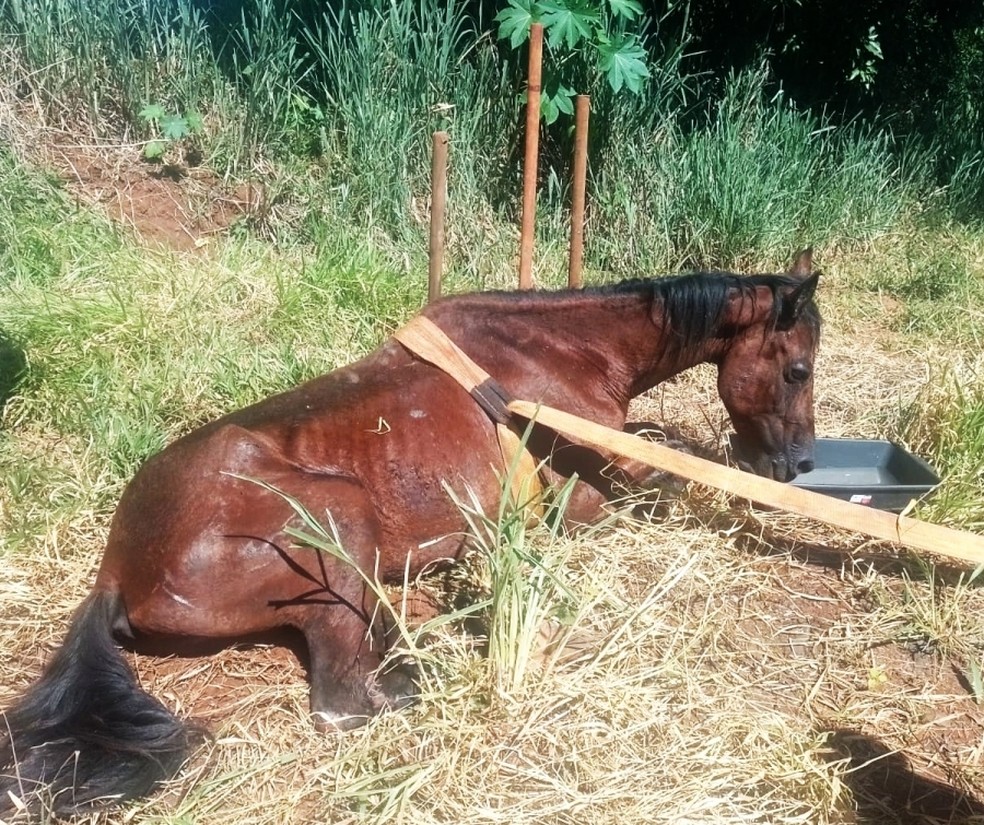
(492, 397)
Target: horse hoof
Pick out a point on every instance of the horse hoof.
(662, 482)
(328, 722)
(398, 686)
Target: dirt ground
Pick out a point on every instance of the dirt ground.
(177, 205)
(896, 778)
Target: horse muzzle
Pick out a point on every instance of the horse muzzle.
(779, 465)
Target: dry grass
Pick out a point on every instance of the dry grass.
(723, 664)
(699, 686)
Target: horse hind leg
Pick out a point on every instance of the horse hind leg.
(345, 624)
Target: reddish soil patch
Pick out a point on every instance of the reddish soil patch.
(912, 771)
(178, 206)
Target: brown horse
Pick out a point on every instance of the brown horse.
(196, 551)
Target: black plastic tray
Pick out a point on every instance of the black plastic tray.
(872, 472)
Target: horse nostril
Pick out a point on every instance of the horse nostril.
(805, 466)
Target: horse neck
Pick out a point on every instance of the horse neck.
(614, 342)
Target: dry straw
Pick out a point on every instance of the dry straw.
(717, 665)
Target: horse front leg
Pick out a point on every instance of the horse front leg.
(607, 481)
(632, 477)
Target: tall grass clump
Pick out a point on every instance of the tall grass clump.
(393, 73)
(267, 66)
(744, 183)
(93, 66)
(528, 592)
(336, 111)
(945, 422)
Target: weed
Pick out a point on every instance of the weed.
(975, 678)
(740, 186)
(526, 583)
(172, 129)
(945, 422)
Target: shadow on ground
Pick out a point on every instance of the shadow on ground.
(887, 791)
(13, 367)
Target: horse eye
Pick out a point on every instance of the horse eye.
(798, 373)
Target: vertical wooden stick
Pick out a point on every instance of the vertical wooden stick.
(582, 112)
(533, 87)
(439, 197)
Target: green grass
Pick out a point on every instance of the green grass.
(43, 231)
(930, 293)
(335, 114)
(116, 351)
(527, 581)
(390, 74)
(680, 687)
(945, 422)
(98, 64)
(935, 273)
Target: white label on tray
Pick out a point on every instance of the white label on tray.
(860, 498)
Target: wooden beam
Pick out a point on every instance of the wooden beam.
(878, 524)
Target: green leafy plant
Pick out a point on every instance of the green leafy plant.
(170, 128)
(975, 678)
(866, 61)
(596, 31)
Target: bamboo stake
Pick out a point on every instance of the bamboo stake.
(439, 196)
(533, 88)
(581, 115)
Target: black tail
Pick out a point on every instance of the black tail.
(85, 735)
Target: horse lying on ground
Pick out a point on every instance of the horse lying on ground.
(197, 551)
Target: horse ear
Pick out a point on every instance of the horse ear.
(802, 263)
(795, 301)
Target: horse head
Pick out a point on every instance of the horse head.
(765, 377)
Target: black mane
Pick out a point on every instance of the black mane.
(693, 304)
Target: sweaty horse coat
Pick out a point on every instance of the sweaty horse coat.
(197, 550)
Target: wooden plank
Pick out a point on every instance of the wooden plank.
(878, 524)
(423, 337)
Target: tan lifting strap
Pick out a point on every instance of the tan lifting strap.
(426, 340)
(919, 535)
